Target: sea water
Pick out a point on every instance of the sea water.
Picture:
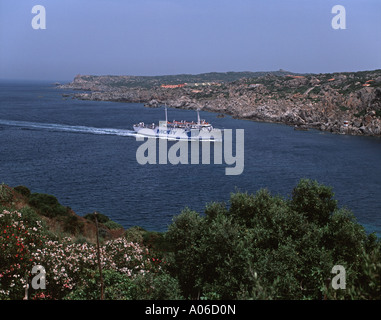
(84, 153)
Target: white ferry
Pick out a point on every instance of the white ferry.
(180, 130)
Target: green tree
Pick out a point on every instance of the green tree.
(185, 235)
(313, 200)
(267, 247)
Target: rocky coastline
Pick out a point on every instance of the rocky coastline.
(344, 103)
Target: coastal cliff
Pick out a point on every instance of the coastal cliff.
(347, 102)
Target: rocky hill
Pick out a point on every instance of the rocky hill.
(347, 102)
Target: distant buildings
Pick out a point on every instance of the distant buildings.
(197, 84)
(255, 85)
(172, 86)
(367, 84)
(295, 77)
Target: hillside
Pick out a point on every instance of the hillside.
(149, 82)
(58, 219)
(346, 102)
(259, 246)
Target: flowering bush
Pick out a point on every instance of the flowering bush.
(67, 264)
(71, 264)
(17, 242)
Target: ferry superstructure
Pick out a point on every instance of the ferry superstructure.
(179, 130)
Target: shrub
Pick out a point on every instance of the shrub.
(103, 219)
(112, 225)
(117, 286)
(256, 247)
(268, 247)
(313, 200)
(23, 190)
(47, 205)
(5, 194)
(185, 234)
(18, 240)
(73, 225)
(156, 286)
(100, 217)
(69, 266)
(134, 234)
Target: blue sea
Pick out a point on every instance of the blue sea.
(84, 153)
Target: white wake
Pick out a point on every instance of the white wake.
(67, 128)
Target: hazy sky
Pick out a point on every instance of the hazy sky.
(156, 37)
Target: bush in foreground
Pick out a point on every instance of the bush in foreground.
(71, 267)
(267, 247)
(260, 246)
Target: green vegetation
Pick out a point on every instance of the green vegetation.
(47, 205)
(154, 81)
(258, 246)
(360, 114)
(23, 191)
(104, 220)
(5, 194)
(267, 247)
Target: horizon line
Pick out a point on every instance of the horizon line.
(180, 74)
